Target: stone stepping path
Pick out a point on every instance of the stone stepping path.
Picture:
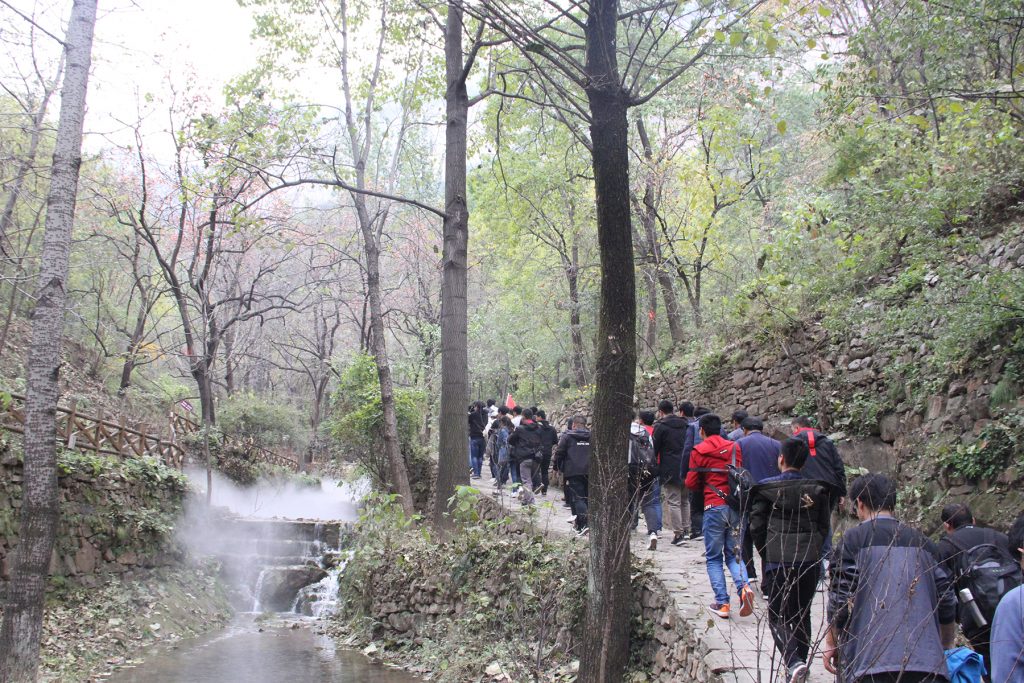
(737, 649)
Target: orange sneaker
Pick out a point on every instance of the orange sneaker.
(720, 610)
(746, 602)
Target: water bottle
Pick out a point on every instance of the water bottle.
(967, 600)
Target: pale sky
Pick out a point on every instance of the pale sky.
(141, 45)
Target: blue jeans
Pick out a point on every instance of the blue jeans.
(651, 505)
(645, 495)
(476, 454)
(721, 540)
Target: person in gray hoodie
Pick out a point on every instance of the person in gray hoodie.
(890, 610)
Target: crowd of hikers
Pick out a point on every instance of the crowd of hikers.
(893, 597)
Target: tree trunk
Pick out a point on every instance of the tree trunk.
(204, 383)
(609, 596)
(132, 348)
(378, 345)
(648, 218)
(23, 602)
(229, 364)
(453, 430)
(651, 340)
(579, 362)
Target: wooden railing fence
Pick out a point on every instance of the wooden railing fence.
(84, 432)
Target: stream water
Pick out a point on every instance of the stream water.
(251, 651)
(281, 562)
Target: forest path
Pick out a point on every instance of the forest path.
(740, 646)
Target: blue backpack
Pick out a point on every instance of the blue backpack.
(965, 665)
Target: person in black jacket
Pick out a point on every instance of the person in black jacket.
(789, 519)
(550, 437)
(961, 536)
(669, 437)
(477, 443)
(572, 459)
(526, 442)
(824, 464)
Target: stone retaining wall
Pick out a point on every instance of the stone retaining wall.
(114, 517)
(845, 382)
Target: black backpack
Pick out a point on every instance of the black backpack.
(741, 483)
(641, 451)
(990, 573)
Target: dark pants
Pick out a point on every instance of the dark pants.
(747, 548)
(696, 513)
(493, 461)
(901, 677)
(579, 488)
(980, 645)
(789, 591)
(545, 466)
(477, 446)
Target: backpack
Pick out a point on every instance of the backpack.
(641, 451)
(990, 573)
(741, 483)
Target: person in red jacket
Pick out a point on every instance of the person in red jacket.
(709, 473)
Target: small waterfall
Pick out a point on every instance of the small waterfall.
(257, 591)
(321, 598)
(280, 566)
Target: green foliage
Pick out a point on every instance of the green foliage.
(1008, 389)
(710, 367)
(999, 446)
(807, 404)
(859, 414)
(470, 566)
(265, 421)
(357, 421)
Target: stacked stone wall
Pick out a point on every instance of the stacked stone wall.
(111, 521)
(807, 369)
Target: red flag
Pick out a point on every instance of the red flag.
(650, 315)
(509, 403)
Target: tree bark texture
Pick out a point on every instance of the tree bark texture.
(23, 603)
(378, 345)
(648, 219)
(452, 466)
(609, 596)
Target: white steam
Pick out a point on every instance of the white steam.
(267, 499)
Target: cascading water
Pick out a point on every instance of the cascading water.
(321, 599)
(282, 565)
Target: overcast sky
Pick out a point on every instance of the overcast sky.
(143, 45)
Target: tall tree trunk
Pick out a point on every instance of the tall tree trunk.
(378, 345)
(609, 596)
(651, 339)
(132, 348)
(572, 273)
(40, 509)
(648, 219)
(453, 434)
(229, 363)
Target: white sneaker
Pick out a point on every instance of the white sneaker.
(798, 674)
(652, 543)
(583, 532)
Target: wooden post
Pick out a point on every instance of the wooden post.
(69, 428)
(120, 435)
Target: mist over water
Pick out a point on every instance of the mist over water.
(267, 499)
